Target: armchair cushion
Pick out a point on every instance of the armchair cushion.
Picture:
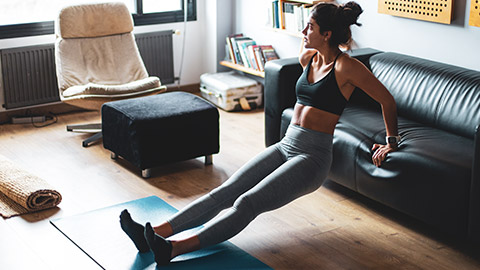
(103, 60)
(110, 90)
(95, 20)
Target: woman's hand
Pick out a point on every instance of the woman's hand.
(381, 152)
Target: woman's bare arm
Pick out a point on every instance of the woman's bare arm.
(361, 77)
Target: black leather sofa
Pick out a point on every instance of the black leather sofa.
(435, 176)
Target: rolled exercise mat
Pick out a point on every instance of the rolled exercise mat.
(22, 192)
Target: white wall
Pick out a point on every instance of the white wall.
(251, 19)
(218, 25)
(457, 43)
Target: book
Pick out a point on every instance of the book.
(237, 49)
(230, 51)
(281, 14)
(243, 44)
(251, 55)
(246, 52)
(299, 19)
(259, 57)
(289, 16)
(269, 53)
(230, 47)
(306, 14)
(275, 10)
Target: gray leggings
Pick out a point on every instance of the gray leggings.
(295, 166)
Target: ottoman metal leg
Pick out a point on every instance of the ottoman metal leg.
(146, 173)
(94, 138)
(209, 160)
(88, 128)
(113, 155)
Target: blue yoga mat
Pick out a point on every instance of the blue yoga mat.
(98, 234)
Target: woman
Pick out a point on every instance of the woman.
(299, 163)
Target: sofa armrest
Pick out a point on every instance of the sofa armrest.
(474, 216)
(280, 78)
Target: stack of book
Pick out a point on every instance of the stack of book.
(245, 51)
(291, 16)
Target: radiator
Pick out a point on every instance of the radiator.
(28, 75)
(29, 78)
(156, 49)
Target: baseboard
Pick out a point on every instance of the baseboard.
(57, 108)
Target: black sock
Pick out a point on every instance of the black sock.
(162, 248)
(134, 230)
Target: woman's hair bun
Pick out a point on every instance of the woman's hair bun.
(338, 19)
(350, 13)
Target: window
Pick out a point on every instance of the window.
(36, 17)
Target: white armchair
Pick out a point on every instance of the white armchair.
(97, 60)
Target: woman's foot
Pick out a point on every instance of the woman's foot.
(161, 248)
(134, 230)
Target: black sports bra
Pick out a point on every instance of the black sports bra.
(323, 94)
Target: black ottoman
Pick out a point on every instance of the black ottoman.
(154, 130)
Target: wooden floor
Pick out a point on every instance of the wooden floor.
(332, 228)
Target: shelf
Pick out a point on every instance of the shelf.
(243, 68)
(286, 32)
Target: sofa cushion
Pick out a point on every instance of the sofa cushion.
(428, 178)
(436, 94)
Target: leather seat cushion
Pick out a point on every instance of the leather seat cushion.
(428, 178)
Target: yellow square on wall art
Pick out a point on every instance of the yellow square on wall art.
(474, 13)
(428, 10)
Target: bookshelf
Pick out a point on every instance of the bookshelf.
(281, 22)
(286, 32)
(243, 68)
(247, 56)
(289, 16)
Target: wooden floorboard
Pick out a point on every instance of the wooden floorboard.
(332, 228)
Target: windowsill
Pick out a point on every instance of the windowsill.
(26, 41)
(50, 38)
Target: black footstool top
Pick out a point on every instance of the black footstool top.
(168, 127)
(166, 105)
